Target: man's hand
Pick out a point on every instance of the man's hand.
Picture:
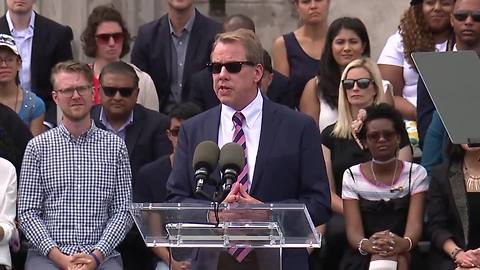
(239, 194)
(61, 260)
(82, 261)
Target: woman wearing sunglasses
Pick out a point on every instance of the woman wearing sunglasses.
(297, 54)
(383, 198)
(361, 86)
(347, 39)
(453, 203)
(29, 107)
(107, 39)
(424, 27)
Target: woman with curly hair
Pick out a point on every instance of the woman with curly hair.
(107, 39)
(424, 27)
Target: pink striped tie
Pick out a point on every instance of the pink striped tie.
(239, 137)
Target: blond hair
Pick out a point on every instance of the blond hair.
(72, 66)
(250, 41)
(342, 128)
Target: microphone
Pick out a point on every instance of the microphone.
(231, 162)
(205, 159)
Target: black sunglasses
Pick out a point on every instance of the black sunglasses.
(462, 15)
(362, 83)
(112, 91)
(173, 132)
(232, 67)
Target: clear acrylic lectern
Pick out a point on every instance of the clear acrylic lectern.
(259, 226)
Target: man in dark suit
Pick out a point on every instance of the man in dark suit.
(274, 84)
(283, 147)
(172, 48)
(144, 133)
(42, 43)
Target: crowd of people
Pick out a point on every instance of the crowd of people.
(320, 123)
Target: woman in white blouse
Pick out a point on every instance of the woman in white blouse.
(425, 26)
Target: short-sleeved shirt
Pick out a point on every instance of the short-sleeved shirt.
(345, 153)
(393, 54)
(31, 108)
(361, 186)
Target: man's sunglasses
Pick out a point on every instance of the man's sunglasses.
(232, 67)
(463, 15)
(112, 91)
(362, 83)
(105, 38)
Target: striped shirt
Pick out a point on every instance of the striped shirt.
(75, 192)
(360, 186)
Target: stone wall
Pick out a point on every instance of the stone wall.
(272, 17)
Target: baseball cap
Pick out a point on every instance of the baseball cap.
(9, 42)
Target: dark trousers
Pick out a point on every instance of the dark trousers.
(135, 254)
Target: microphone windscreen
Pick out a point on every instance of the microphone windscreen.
(206, 155)
(231, 156)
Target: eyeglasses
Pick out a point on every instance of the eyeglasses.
(68, 92)
(105, 38)
(173, 132)
(8, 60)
(463, 15)
(375, 136)
(362, 83)
(232, 67)
(112, 91)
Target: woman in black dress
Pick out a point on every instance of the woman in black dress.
(383, 198)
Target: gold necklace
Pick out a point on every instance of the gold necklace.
(472, 181)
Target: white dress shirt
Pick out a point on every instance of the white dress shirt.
(8, 207)
(251, 128)
(24, 40)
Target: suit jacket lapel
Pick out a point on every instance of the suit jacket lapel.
(39, 40)
(134, 130)
(267, 138)
(211, 132)
(4, 29)
(164, 31)
(457, 185)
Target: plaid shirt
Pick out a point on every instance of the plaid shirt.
(75, 193)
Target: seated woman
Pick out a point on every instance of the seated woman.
(424, 27)
(383, 198)
(347, 39)
(361, 87)
(24, 102)
(297, 54)
(453, 222)
(107, 39)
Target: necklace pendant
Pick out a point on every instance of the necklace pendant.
(395, 189)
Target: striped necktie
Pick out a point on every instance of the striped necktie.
(239, 137)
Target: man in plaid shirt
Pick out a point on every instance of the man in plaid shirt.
(75, 187)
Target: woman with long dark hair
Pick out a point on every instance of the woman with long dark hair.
(347, 39)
